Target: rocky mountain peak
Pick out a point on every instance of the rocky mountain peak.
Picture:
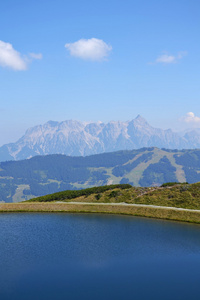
(73, 137)
(140, 121)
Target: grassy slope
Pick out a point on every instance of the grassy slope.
(180, 195)
(177, 196)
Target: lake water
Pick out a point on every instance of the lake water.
(85, 256)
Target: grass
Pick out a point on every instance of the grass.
(180, 174)
(96, 200)
(74, 194)
(136, 174)
(19, 192)
(144, 211)
(179, 195)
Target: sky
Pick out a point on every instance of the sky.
(99, 61)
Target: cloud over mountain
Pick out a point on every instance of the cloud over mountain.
(191, 118)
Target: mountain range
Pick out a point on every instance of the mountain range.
(76, 138)
(42, 175)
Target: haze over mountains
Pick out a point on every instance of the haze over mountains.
(76, 138)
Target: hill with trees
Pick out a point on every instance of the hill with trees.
(173, 194)
(146, 167)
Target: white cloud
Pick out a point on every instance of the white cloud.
(166, 59)
(12, 59)
(170, 59)
(35, 55)
(91, 49)
(191, 119)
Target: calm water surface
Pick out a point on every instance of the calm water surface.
(74, 256)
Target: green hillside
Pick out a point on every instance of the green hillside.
(180, 195)
(42, 175)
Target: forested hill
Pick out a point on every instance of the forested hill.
(41, 175)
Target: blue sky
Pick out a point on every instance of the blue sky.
(98, 60)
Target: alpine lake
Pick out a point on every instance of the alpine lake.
(97, 256)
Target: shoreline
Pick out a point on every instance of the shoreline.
(150, 211)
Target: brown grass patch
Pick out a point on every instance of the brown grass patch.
(144, 211)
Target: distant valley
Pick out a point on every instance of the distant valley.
(76, 138)
(41, 175)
